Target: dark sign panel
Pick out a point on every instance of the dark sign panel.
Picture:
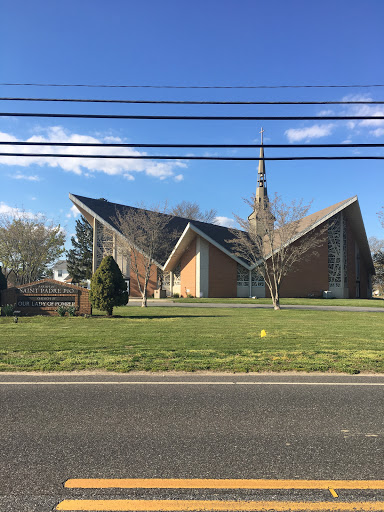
(45, 297)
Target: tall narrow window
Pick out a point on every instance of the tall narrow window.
(242, 276)
(257, 278)
(176, 274)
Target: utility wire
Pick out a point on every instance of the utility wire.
(168, 157)
(131, 145)
(191, 118)
(196, 86)
(190, 102)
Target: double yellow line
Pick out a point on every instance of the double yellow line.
(219, 505)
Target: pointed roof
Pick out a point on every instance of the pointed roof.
(106, 213)
(185, 230)
(352, 212)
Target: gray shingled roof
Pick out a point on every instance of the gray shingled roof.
(107, 211)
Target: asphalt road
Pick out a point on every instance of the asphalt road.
(59, 427)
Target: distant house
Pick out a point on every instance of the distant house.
(60, 272)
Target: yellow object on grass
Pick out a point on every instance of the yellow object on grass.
(262, 334)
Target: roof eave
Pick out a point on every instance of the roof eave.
(93, 214)
(183, 240)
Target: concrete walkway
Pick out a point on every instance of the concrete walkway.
(166, 303)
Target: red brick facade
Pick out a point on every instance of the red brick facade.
(222, 274)
(310, 278)
(152, 284)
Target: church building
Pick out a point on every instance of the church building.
(202, 261)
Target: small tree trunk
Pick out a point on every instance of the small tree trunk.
(144, 301)
(109, 312)
(276, 302)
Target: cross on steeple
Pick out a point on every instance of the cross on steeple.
(261, 131)
(261, 177)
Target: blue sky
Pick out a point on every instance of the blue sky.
(243, 42)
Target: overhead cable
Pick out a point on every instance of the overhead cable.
(190, 118)
(190, 102)
(172, 157)
(134, 86)
(238, 146)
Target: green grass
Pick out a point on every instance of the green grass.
(361, 303)
(225, 339)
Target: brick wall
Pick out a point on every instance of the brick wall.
(222, 274)
(310, 280)
(188, 270)
(152, 284)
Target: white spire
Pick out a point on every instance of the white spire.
(261, 190)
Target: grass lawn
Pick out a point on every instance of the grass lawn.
(160, 339)
(362, 303)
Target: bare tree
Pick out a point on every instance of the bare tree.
(273, 243)
(191, 210)
(377, 250)
(29, 245)
(147, 238)
(381, 216)
(376, 244)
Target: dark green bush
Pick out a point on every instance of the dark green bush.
(7, 310)
(108, 287)
(61, 310)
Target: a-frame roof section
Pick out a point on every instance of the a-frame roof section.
(315, 219)
(352, 212)
(105, 212)
(217, 237)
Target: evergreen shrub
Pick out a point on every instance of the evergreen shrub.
(108, 287)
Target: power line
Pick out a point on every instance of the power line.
(238, 146)
(191, 118)
(131, 86)
(172, 157)
(190, 102)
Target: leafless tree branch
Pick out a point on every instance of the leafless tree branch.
(276, 243)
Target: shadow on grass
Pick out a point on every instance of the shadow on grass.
(157, 317)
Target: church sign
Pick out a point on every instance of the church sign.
(44, 297)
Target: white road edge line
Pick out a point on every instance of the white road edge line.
(184, 383)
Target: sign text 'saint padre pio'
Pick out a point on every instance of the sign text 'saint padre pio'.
(46, 288)
(44, 301)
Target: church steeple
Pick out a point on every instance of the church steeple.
(261, 197)
(261, 190)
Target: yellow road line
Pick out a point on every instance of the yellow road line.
(213, 506)
(333, 492)
(197, 483)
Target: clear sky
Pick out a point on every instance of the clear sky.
(173, 42)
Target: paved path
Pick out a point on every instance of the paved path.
(157, 303)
